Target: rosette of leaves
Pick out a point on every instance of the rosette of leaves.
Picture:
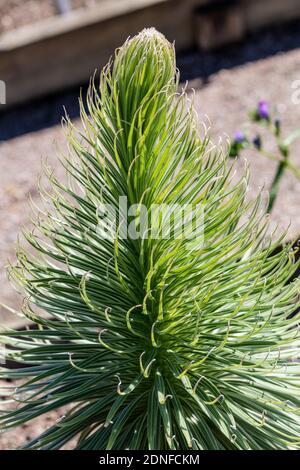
(154, 342)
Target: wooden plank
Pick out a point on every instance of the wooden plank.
(80, 18)
(262, 13)
(218, 24)
(64, 51)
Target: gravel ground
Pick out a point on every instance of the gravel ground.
(225, 95)
(27, 432)
(17, 13)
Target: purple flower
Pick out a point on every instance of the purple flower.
(239, 142)
(277, 125)
(263, 110)
(257, 142)
(239, 137)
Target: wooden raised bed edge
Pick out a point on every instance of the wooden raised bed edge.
(61, 52)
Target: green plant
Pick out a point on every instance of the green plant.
(263, 117)
(154, 343)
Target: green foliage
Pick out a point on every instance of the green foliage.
(264, 118)
(154, 343)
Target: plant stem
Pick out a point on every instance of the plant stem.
(276, 182)
(294, 169)
(289, 164)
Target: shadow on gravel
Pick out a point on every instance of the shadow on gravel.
(192, 64)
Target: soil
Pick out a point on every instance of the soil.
(225, 95)
(13, 440)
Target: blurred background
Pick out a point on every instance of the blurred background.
(233, 53)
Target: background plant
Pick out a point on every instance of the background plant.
(152, 344)
(266, 118)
